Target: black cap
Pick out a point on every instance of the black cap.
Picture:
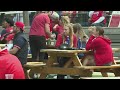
(10, 21)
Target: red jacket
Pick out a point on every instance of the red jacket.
(96, 15)
(102, 50)
(60, 40)
(9, 64)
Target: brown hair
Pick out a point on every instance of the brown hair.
(65, 20)
(78, 28)
(100, 29)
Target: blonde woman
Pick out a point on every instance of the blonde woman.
(69, 38)
(81, 35)
(68, 32)
(58, 28)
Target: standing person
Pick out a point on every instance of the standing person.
(7, 24)
(37, 35)
(101, 46)
(20, 43)
(69, 38)
(10, 66)
(97, 18)
(54, 19)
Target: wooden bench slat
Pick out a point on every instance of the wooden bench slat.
(99, 77)
(98, 67)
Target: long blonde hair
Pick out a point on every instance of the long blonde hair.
(65, 20)
(70, 33)
(78, 30)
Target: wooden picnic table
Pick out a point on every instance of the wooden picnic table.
(65, 70)
(49, 68)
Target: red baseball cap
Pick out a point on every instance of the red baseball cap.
(20, 25)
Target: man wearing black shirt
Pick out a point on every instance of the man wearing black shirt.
(20, 43)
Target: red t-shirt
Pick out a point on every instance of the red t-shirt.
(9, 30)
(60, 40)
(102, 50)
(9, 64)
(38, 25)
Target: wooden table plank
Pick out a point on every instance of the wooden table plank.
(63, 51)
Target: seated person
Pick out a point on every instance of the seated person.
(68, 37)
(20, 43)
(101, 47)
(97, 18)
(82, 37)
(7, 24)
(58, 28)
(10, 65)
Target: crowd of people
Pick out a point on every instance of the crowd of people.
(49, 24)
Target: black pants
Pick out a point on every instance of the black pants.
(37, 43)
(62, 61)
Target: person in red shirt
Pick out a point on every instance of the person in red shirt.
(10, 65)
(101, 46)
(7, 24)
(37, 35)
(63, 39)
(68, 32)
(58, 28)
(54, 19)
(97, 18)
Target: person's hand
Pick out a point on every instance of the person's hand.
(91, 30)
(85, 38)
(53, 36)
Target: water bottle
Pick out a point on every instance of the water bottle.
(79, 44)
(68, 40)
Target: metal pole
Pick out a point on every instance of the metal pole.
(26, 18)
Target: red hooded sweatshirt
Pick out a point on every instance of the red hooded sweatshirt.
(9, 64)
(102, 50)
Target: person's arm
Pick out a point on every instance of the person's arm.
(19, 43)
(59, 40)
(14, 50)
(89, 44)
(47, 30)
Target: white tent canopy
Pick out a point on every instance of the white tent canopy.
(15, 12)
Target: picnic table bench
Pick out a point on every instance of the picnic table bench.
(49, 68)
(77, 67)
(103, 69)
